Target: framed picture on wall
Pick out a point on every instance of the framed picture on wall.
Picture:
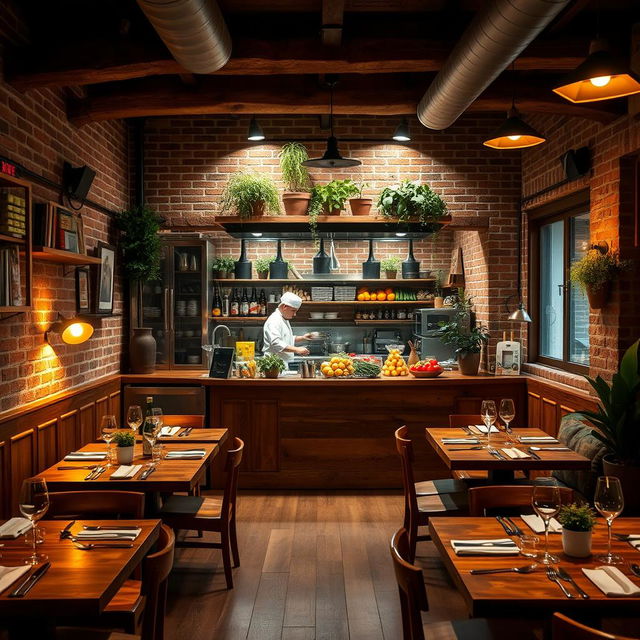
(104, 284)
(83, 299)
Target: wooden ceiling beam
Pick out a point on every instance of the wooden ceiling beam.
(358, 95)
(91, 63)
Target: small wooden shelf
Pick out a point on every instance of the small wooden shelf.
(21, 309)
(328, 281)
(60, 256)
(380, 322)
(364, 303)
(100, 315)
(238, 318)
(6, 238)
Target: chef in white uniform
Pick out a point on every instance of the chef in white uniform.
(277, 333)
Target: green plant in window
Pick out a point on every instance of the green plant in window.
(246, 191)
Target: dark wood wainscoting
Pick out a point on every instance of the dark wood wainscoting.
(38, 435)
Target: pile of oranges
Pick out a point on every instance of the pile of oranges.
(381, 295)
(395, 365)
(337, 367)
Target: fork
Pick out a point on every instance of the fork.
(496, 454)
(552, 574)
(526, 569)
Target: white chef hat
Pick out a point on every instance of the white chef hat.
(291, 300)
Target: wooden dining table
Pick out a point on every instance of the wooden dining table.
(196, 435)
(462, 457)
(532, 595)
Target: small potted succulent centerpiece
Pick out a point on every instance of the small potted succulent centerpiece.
(223, 267)
(361, 206)
(296, 178)
(594, 272)
(577, 522)
(411, 201)
(270, 365)
(438, 281)
(124, 441)
(250, 195)
(390, 266)
(262, 267)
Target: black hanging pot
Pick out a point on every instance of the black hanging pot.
(411, 266)
(242, 270)
(371, 267)
(279, 269)
(321, 261)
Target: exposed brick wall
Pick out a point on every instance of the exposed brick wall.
(34, 132)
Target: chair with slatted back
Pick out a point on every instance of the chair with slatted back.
(69, 505)
(483, 500)
(418, 509)
(211, 514)
(197, 422)
(156, 568)
(564, 628)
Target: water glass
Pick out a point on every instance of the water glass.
(134, 417)
(528, 545)
(546, 502)
(108, 429)
(609, 502)
(489, 415)
(34, 502)
(157, 452)
(507, 414)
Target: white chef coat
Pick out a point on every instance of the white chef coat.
(277, 334)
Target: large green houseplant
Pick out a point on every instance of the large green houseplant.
(329, 199)
(296, 179)
(616, 424)
(411, 201)
(594, 272)
(250, 195)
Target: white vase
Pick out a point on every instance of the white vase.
(124, 455)
(576, 544)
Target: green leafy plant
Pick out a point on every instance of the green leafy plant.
(595, 269)
(411, 201)
(295, 175)
(361, 187)
(270, 362)
(617, 419)
(334, 195)
(577, 517)
(392, 263)
(463, 342)
(262, 264)
(224, 263)
(140, 243)
(124, 438)
(245, 190)
(438, 282)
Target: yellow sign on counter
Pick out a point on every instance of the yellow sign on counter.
(245, 350)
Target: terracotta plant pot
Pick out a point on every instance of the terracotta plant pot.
(598, 298)
(296, 203)
(142, 351)
(629, 477)
(333, 212)
(271, 373)
(361, 206)
(124, 455)
(263, 275)
(391, 275)
(258, 209)
(438, 302)
(469, 364)
(576, 544)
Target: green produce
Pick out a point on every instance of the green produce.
(362, 369)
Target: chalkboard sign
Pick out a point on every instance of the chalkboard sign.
(221, 362)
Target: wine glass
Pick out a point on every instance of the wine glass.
(546, 502)
(507, 414)
(34, 502)
(134, 417)
(609, 501)
(150, 432)
(108, 429)
(489, 415)
(156, 412)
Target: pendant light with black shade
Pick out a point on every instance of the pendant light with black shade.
(255, 133)
(401, 134)
(331, 158)
(520, 314)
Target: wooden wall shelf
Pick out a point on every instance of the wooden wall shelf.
(60, 256)
(12, 239)
(381, 283)
(365, 303)
(13, 310)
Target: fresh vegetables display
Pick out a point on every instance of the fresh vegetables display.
(339, 366)
(366, 367)
(426, 365)
(390, 295)
(395, 365)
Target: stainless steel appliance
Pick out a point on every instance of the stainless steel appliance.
(384, 337)
(426, 326)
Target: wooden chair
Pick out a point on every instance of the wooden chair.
(197, 422)
(502, 496)
(211, 514)
(418, 509)
(112, 505)
(156, 568)
(413, 600)
(564, 628)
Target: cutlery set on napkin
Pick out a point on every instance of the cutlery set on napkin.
(537, 440)
(612, 582)
(85, 456)
(169, 431)
(482, 428)
(15, 527)
(491, 547)
(186, 454)
(125, 471)
(460, 441)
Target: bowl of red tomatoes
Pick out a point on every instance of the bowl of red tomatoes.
(426, 369)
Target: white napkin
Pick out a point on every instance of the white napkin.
(494, 547)
(482, 428)
(186, 454)
(8, 575)
(460, 440)
(126, 471)
(537, 439)
(86, 455)
(536, 524)
(108, 534)
(14, 528)
(169, 431)
(515, 453)
(612, 582)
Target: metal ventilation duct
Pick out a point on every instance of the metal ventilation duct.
(194, 31)
(492, 41)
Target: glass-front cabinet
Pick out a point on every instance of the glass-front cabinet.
(176, 305)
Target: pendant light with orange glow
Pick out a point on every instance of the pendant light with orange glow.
(74, 330)
(602, 76)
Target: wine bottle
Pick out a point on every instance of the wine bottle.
(244, 303)
(234, 309)
(263, 303)
(254, 305)
(148, 426)
(216, 310)
(225, 304)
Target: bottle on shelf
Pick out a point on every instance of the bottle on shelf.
(244, 304)
(263, 303)
(147, 426)
(234, 308)
(216, 310)
(225, 304)
(254, 305)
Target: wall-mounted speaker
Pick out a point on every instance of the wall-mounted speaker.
(77, 180)
(576, 163)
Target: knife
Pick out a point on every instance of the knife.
(486, 544)
(91, 466)
(507, 528)
(533, 454)
(65, 532)
(513, 525)
(26, 586)
(188, 431)
(496, 454)
(567, 578)
(147, 472)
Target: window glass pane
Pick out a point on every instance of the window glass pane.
(551, 298)
(578, 303)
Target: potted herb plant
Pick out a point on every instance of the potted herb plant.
(467, 344)
(616, 424)
(390, 266)
(140, 248)
(262, 267)
(223, 267)
(411, 201)
(577, 522)
(250, 195)
(296, 179)
(361, 206)
(593, 273)
(333, 196)
(270, 365)
(125, 441)
(438, 281)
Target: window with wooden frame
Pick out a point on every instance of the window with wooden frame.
(558, 237)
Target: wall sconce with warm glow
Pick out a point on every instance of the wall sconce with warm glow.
(74, 330)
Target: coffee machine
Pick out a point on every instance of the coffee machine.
(426, 327)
